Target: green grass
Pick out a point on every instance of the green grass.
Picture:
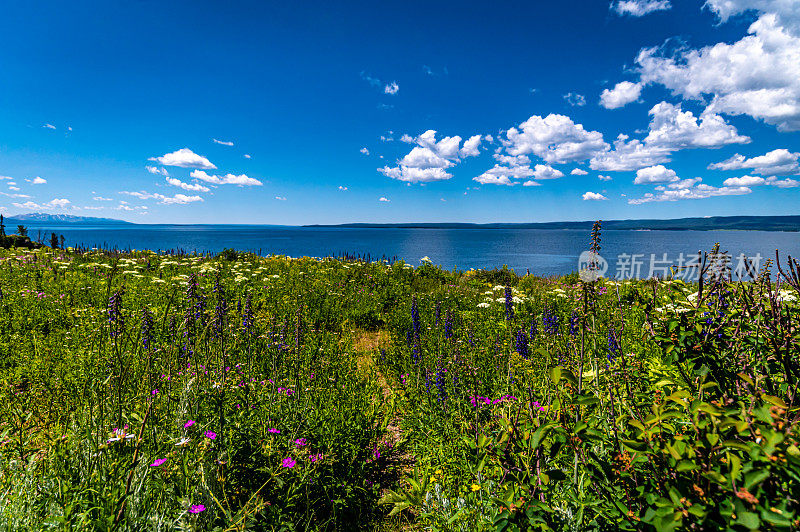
(152, 392)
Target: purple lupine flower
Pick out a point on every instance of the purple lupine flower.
(116, 319)
(438, 313)
(534, 329)
(509, 304)
(550, 322)
(448, 325)
(521, 344)
(573, 323)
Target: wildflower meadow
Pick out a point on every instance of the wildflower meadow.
(147, 391)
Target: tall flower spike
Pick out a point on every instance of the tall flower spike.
(509, 304)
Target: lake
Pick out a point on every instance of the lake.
(542, 251)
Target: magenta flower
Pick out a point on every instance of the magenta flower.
(211, 435)
(274, 431)
(300, 442)
(288, 462)
(157, 462)
(197, 508)
(188, 424)
(315, 457)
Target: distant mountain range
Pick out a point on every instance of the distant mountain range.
(40, 217)
(711, 223)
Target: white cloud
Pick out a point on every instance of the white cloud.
(775, 162)
(674, 129)
(554, 138)
(383, 199)
(602, 177)
(7, 194)
(6, 177)
(622, 94)
(280, 198)
(101, 198)
(689, 189)
(184, 158)
(247, 156)
(12, 187)
(655, 174)
(639, 8)
(671, 129)
(156, 170)
(37, 181)
(55, 203)
(758, 75)
(531, 184)
(470, 148)
(593, 196)
(342, 188)
(408, 139)
(429, 160)
(745, 181)
(628, 155)
(415, 175)
(223, 142)
(787, 11)
(177, 199)
(575, 100)
(375, 82)
(365, 151)
(49, 126)
(783, 183)
(578, 171)
(502, 175)
(227, 179)
(545, 171)
(391, 88)
(195, 187)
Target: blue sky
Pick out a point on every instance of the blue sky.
(281, 113)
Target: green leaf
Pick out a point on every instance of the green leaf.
(755, 477)
(748, 520)
(634, 445)
(774, 400)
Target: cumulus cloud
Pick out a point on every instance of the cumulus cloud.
(195, 187)
(228, 179)
(391, 88)
(575, 100)
(758, 75)
(545, 171)
(655, 174)
(578, 171)
(555, 139)
(429, 159)
(177, 199)
(342, 188)
(184, 158)
(689, 189)
(602, 177)
(55, 203)
(744, 181)
(622, 94)
(37, 181)
(775, 162)
(639, 8)
(593, 196)
(365, 151)
(670, 129)
(628, 155)
(383, 199)
(156, 170)
(503, 175)
(223, 142)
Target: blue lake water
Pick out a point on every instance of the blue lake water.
(542, 251)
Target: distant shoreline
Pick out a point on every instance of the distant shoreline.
(715, 223)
